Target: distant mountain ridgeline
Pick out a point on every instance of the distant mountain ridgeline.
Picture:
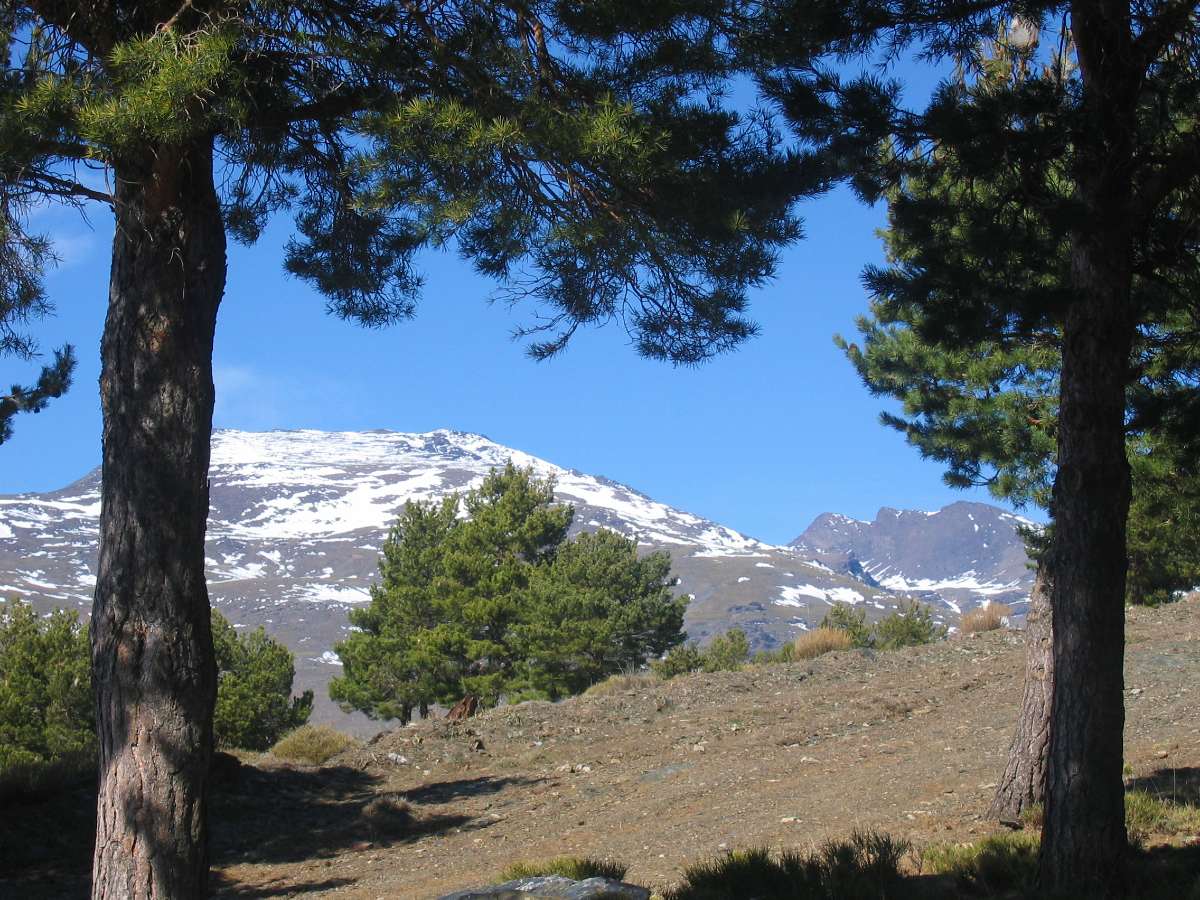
(298, 518)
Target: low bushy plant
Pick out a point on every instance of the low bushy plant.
(313, 745)
(1002, 862)
(1147, 815)
(985, 618)
(618, 684)
(573, 867)
(910, 625)
(820, 641)
(852, 621)
(727, 652)
(864, 867)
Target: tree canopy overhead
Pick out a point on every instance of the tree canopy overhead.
(576, 152)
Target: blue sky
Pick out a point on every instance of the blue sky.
(761, 440)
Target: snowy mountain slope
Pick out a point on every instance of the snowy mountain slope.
(965, 553)
(297, 520)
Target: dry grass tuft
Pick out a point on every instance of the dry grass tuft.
(311, 744)
(820, 641)
(621, 683)
(985, 618)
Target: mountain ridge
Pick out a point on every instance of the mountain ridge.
(298, 517)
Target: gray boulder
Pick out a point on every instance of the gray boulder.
(554, 887)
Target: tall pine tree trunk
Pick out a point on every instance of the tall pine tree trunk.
(1083, 840)
(1024, 782)
(155, 678)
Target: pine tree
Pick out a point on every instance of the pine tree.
(501, 605)
(988, 410)
(255, 706)
(577, 152)
(1096, 162)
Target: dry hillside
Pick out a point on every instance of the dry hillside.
(661, 774)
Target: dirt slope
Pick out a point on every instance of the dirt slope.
(658, 775)
(662, 774)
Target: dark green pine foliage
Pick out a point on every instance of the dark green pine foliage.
(46, 708)
(255, 706)
(576, 152)
(987, 409)
(24, 255)
(500, 604)
(595, 610)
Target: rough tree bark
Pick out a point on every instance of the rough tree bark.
(155, 678)
(1083, 840)
(1024, 781)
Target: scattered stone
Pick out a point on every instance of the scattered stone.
(397, 759)
(554, 887)
(1161, 754)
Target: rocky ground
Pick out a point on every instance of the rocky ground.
(657, 775)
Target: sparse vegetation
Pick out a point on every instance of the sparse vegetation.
(726, 652)
(311, 744)
(820, 641)
(621, 682)
(864, 867)
(573, 867)
(985, 618)
(908, 626)
(1002, 862)
(1148, 815)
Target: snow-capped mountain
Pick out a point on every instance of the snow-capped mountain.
(298, 518)
(965, 553)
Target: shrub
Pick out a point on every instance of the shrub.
(907, 627)
(852, 621)
(820, 641)
(573, 867)
(47, 720)
(985, 618)
(785, 653)
(725, 653)
(255, 706)
(1003, 862)
(865, 867)
(388, 816)
(311, 744)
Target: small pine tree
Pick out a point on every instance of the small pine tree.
(255, 706)
(46, 707)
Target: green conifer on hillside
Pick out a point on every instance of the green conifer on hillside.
(500, 604)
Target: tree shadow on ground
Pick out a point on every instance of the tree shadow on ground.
(46, 845)
(282, 814)
(448, 791)
(1180, 785)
